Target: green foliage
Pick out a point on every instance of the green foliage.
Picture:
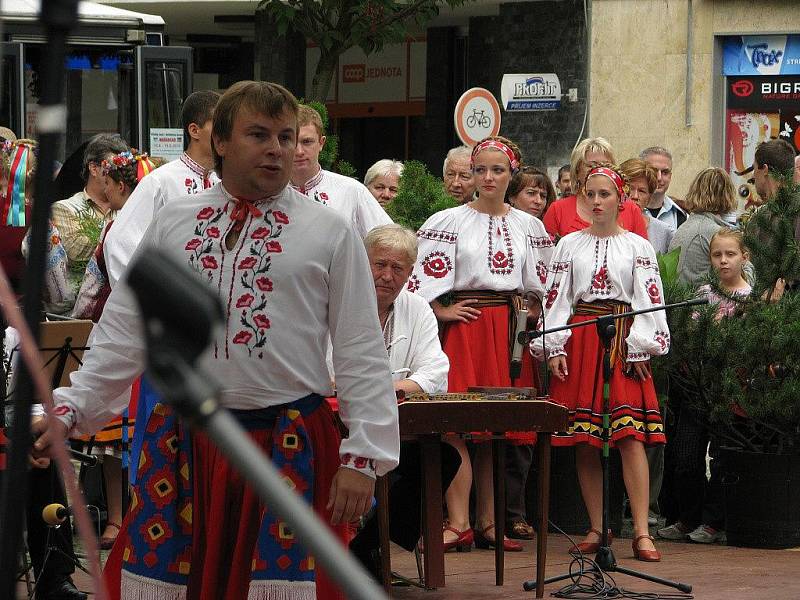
(741, 375)
(419, 195)
(90, 226)
(338, 25)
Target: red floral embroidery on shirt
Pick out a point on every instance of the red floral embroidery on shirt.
(413, 283)
(247, 263)
(209, 262)
(243, 337)
(437, 265)
(541, 271)
(253, 277)
(600, 280)
(245, 300)
(499, 260)
(205, 213)
(662, 338)
(652, 290)
(552, 294)
(321, 197)
(264, 284)
(200, 245)
(61, 410)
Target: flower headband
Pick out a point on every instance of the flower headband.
(619, 183)
(125, 159)
(496, 145)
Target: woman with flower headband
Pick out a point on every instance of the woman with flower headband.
(484, 254)
(603, 270)
(122, 172)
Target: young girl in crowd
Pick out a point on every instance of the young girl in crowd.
(486, 253)
(699, 501)
(604, 270)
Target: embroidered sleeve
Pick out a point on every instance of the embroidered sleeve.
(557, 304)
(358, 463)
(538, 254)
(649, 333)
(434, 272)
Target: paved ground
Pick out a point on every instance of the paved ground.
(715, 572)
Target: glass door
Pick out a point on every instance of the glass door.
(12, 92)
(164, 75)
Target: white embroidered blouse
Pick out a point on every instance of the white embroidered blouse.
(463, 249)
(587, 268)
(180, 177)
(297, 273)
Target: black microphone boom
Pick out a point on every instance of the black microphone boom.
(525, 337)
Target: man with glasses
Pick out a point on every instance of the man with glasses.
(661, 206)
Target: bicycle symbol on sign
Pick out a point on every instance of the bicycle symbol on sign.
(479, 118)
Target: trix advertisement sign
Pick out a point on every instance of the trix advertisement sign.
(761, 55)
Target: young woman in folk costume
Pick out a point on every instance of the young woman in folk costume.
(486, 255)
(602, 270)
(123, 171)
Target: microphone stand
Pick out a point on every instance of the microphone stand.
(58, 17)
(607, 330)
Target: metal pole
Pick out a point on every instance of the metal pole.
(58, 17)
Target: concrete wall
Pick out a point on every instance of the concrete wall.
(638, 73)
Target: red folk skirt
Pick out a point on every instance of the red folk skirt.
(633, 403)
(480, 357)
(226, 515)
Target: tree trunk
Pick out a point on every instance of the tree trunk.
(323, 76)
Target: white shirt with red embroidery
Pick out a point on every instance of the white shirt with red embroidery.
(463, 249)
(298, 273)
(180, 177)
(587, 268)
(348, 197)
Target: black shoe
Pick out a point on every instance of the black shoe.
(369, 557)
(63, 590)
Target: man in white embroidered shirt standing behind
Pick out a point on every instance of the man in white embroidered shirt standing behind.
(289, 272)
(191, 173)
(345, 195)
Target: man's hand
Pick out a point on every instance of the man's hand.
(558, 366)
(351, 495)
(639, 369)
(460, 311)
(49, 431)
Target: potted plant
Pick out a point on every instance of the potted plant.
(742, 376)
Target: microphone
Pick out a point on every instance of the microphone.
(55, 514)
(519, 343)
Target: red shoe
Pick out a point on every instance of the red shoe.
(644, 555)
(463, 543)
(484, 543)
(591, 547)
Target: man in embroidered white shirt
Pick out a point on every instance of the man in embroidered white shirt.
(289, 273)
(345, 195)
(661, 206)
(191, 173)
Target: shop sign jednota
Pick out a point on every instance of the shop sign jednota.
(477, 115)
(528, 92)
(761, 55)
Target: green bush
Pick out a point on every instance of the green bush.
(419, 195)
